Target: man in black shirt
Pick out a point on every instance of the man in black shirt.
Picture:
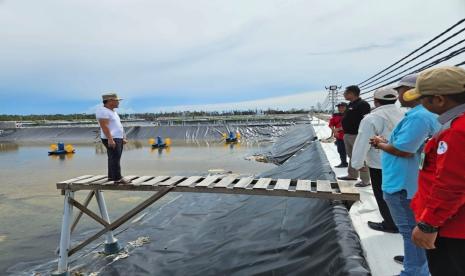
(356, 110)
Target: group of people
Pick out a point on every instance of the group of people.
(413, 161)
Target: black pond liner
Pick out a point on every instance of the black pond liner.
(297, 138)
(209, 234)
(221, 234)
(309, 162)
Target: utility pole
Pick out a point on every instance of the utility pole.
(333, 95)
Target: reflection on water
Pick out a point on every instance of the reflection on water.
(31, 207)
(160, 151)
(8, 147)
(232, 145)
(134, 145)
(100, 148)
(66, 156)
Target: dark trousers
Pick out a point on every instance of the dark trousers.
(114, 157)
(341, 149)
(376, 182)
(448, 259)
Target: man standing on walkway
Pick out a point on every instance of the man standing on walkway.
(112, 134)
(439, 204)
(356, 109)
(380, 122)
(335, 123)
(400, 159)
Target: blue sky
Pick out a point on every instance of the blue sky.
(60, 56)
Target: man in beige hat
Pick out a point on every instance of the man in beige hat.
(112, 135)
(439, 204)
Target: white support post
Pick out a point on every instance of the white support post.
(65, 239)
(111, 243)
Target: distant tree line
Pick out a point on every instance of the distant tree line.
(152, 116)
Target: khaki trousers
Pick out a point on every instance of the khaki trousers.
(349, 141)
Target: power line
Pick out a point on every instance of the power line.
(441, 60)
(371, 98)
(436, 62)
(413, 52)
(407, 62)
(413, 66)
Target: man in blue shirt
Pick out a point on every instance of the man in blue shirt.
(400, 165)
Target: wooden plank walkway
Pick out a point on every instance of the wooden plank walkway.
(220, 184)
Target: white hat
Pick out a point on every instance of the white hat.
(386, 93)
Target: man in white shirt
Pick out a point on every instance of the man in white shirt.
(381, 121)
(113, 136)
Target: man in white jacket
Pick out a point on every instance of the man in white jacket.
(381, 121)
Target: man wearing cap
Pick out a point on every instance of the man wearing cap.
(400, 159)
(356, 109)
(112, 134)
(439, 204)
(335, 123)
(381, 121)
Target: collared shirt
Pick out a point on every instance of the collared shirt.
(440, 200)
(381, 121)
(401, 173)
(354, 115)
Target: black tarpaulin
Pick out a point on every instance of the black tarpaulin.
(286, 146)
(243, 235)
(307, 163)
(209, 234)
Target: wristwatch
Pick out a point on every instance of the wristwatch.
(426, 228)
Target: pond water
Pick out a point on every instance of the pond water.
(31, 206)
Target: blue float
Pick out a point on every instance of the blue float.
(232, 138)
(60, 149)
(159, 143)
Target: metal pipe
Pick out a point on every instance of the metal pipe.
(104, 213)
(65, 233)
